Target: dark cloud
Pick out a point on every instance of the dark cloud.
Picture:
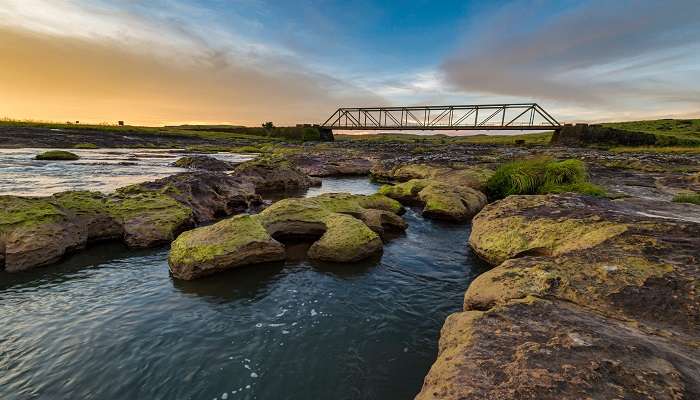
(616, 53)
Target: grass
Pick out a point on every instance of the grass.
(540, 176)
(656, 149)
(692, 198)
(213, 132)
(668, 132)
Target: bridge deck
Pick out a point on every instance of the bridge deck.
(520, 116)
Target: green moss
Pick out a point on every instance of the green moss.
(81, 202)
(380, 202)
(497, 239)
(203, 246)
(85, 146)
(346, 239)
(540, 176)
(57, 155)
(692, 198)
(404, 191)
(15, 210)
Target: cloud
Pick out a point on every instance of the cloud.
(63, 61)
(613, 57)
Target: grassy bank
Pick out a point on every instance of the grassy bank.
(677, 133)
(210, 132)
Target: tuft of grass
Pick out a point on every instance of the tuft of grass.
(540, 176)
(692, 198)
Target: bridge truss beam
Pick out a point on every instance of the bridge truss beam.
(525, 116)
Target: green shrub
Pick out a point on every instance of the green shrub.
(85, 146)
(57, 155)
(540, 176)
(692, 198)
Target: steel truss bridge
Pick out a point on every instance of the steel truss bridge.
(527, 116)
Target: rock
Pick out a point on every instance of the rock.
(449, 202)
(270, 174)
(57, 155)
(233, 242)
(331, 164)
(621, 307)
(446, 194)
(149, 218)
(210, 195)
(335, 222)
(34, 232)
(346, 239)
(205, 163)
(540, 349)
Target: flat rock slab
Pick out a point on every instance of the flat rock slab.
(590, 298)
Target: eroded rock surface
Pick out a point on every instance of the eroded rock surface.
(336, 223)
(590, 298)
(337, 163)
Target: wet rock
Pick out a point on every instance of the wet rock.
(540, 349)
(446, 193)
(210, 195)
(622, 308)
(35, 232)
(233, 242)
(335, 222)
(332, 164)
(274, 174)
(205, 163)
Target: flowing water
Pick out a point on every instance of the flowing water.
(99, 169)
(110, 323)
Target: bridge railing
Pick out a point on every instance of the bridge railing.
(520, 116)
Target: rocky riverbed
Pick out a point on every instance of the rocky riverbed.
(588, 297)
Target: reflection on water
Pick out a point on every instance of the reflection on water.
(112, 324)
(98, 169)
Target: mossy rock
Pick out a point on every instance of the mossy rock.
(441, 199)
(231, 243)
(149, 218)
(448, 202)
(343, 226)
(346, 239)
(34, 232)
(57, 155)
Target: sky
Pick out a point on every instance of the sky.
(157, 62)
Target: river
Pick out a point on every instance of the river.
(111, 323)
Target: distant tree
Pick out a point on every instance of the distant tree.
(268, 125)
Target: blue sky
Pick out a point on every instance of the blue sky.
(242, 61)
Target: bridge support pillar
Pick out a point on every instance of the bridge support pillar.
(326, 134)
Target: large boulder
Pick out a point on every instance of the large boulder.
(620, 279)
(35, 232)
(206, 163)
(335, 163)
(274, 174)
(335, 223)
(210, 195)
(446, 193)
(240, 240)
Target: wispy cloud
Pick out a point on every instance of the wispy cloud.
(612, 57)
(86, 61)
